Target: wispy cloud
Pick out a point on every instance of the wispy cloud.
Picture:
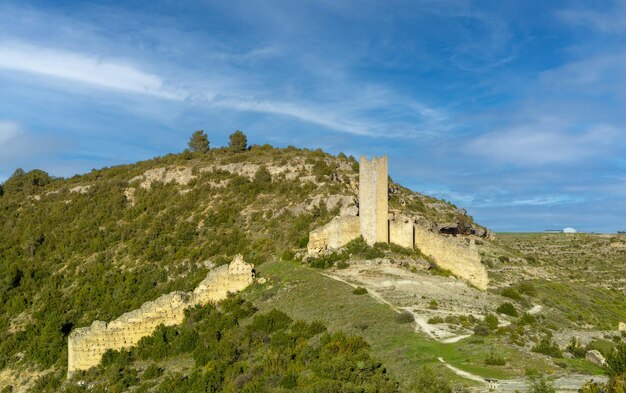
(79, 67)
(8, 130)
(544, 142)
(610, 20)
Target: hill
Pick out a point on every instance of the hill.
(97, 245)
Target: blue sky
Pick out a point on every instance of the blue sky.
(514, 110)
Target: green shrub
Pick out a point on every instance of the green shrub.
(527, 319)
(287, 255)
(433, 305)
(358, 247)
(436, 320)
(576, 348)
(429, 381)
(539, 384)
(527, 289)
(507, 309)
(481, 329)
(342, 265)
(152, 371)
(494, 360)
(491, 321)
(511, 293)
(359, 291)
(547, 346)
(405, 317)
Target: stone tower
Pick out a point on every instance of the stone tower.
(373, 202)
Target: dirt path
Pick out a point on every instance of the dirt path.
(379, 288)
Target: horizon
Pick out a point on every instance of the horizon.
(513, 112)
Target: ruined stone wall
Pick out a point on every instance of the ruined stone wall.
(453, 254)
(334, 235)
(87, 345)
(401, 232)
(373, 199)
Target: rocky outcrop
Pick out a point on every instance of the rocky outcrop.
(595, 357)
(178, 175)
(87, 345)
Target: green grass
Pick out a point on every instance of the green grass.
(305, 294)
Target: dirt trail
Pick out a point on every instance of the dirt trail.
(399, 289)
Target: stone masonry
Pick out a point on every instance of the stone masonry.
(373, 199)
(376, 224)
(87, 345)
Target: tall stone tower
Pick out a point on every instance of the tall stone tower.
(373, 203)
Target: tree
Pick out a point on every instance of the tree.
(238, 141)
(28, 182)
(199, 142)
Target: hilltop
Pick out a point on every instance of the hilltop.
(98, 245)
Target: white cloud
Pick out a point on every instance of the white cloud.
(543, 142)
(78, 67)
(8, 131)
(549, 200)
(607, 21)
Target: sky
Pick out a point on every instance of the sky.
(513, 110)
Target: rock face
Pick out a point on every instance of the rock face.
(87, 345)
(595, 357)
(179, 175)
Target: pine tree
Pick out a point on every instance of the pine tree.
(199, 142)
(238, 141)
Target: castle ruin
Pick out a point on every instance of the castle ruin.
(87, 345)
(376, 224)
(373, 200)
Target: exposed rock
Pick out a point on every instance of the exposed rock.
(621, 327)
(81, 189)
(349, 211)
(129, 193)
(595, 357)
(178, 175)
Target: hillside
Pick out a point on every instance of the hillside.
(101, 244)
(96, 246)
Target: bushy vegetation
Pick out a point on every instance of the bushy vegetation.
(615, 368)
(359, 291)
(71, 255)
(270, 352)
(494, 359)
(507, 309)
(547, 346)
(405, 317)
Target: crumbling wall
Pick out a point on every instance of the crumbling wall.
(339, 231)
(453, 254)
(401, 232)
(87, 345)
